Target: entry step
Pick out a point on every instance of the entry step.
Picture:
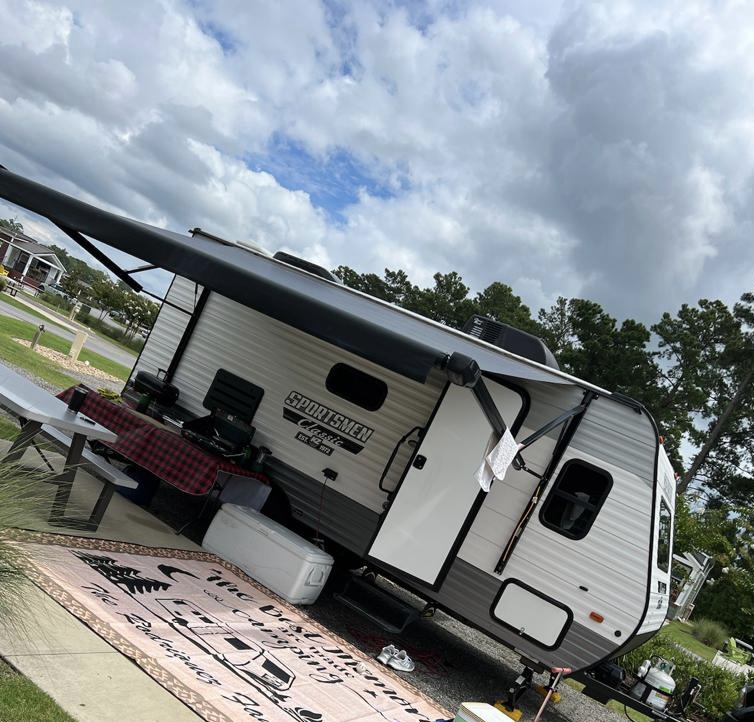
(378, 605)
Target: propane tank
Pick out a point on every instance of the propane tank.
(656, 685)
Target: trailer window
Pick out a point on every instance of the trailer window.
(575, 499)
(356, 386)
(663, 544)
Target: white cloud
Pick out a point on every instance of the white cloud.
(606, 151)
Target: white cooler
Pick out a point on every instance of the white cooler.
(269, 552)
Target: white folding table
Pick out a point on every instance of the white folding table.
(35, 407)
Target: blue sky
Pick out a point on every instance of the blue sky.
(333, 181)
(600, 150)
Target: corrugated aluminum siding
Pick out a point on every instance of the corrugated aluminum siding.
(470, 593)
(281, 359)
(612, 561)
(169, 327)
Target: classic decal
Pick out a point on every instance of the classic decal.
(324, 424)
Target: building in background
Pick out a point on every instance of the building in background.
(28, 261)
(689, 572)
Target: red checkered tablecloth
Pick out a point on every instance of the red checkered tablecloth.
(116, 417)
(164, 453)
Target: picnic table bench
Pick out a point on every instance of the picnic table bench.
(98, 467)
(41, 413)
(12, 286)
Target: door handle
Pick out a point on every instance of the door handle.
(419, 461)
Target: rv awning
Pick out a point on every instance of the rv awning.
(379, 332)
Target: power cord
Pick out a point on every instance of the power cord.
(330, 475)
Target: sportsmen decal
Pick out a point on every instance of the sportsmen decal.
(326, 427)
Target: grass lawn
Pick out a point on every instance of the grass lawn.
(22, 701)
(612, 704)
(620, 708)
(61, 312)
(11, 301)
(35, 364)
(8, 428)
(11, 328)
(680, 633)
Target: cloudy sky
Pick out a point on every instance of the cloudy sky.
(600, 150)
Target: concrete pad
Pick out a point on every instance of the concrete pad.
(123, 520)
(43, 627)
(102, 687)
(88, 678)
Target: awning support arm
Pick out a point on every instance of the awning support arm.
(103, 258)
(464, 371)
(570, 423)
(122, 274)
(140, 269)
(550, 425)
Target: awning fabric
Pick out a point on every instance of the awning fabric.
(379, 332)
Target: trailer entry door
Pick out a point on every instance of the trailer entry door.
(436, 502)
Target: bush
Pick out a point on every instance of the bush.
(57, 301)
(3, 283)
(720, 688)
(730, 600)
(117, 334)
(710, 632)
(23, 498)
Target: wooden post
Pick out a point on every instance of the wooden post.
(37, 334)
(77, 345)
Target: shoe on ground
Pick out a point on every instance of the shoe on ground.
(387, 654)
(402, 662)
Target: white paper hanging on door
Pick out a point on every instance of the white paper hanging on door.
(496, 463)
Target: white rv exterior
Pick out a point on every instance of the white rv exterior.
(559, 601)
(566, 559)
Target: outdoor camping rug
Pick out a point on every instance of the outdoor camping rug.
(221, 643)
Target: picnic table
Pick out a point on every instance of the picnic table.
(160, 449)
(37, 409)
(12, 286)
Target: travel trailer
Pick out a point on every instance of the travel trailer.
(377, 420)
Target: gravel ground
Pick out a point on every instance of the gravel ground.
(454, 663)
(92, 381)
(77, 367)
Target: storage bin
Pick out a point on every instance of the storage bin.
(269, 552)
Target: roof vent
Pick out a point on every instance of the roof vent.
(511, 339)
(305, 265)
(246, 245)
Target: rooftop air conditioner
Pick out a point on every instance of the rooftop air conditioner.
(511, 339)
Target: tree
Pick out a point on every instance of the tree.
(588, 343)
(724, 532)
(723, 429)
(139, 312)
(447, 301)
(555, 326)
(12, 225)
(394, 288)
(72, 284)
(499, 302)
(107, 296)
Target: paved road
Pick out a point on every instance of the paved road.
(94, 343)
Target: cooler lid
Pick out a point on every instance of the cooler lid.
(481, 712)
(280, 534)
